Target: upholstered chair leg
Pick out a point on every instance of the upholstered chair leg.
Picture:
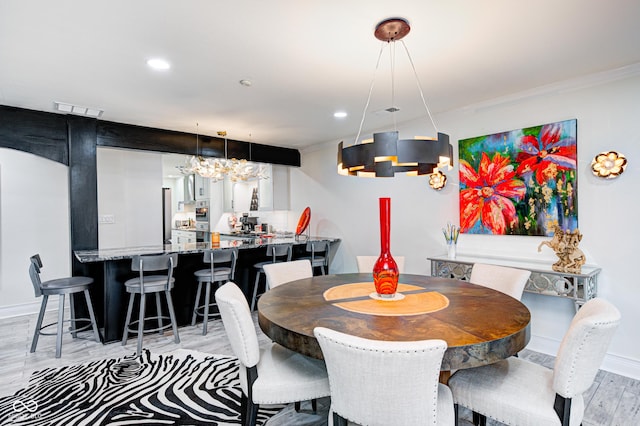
(455, 413)
(479, 419)
(243, 409)
(195, 307)
(60, 325)
(252, 413)
(562, 407)
(36, 333)
(172, 315)
(296, 406)
(92, 316)
(127, 321)
(252, 409)
(338, 420)
(143, 300)
(159, 313)
(314, 406)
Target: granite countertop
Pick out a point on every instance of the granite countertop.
(87, 256)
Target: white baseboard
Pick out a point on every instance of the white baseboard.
(613, 363)
(28, 308)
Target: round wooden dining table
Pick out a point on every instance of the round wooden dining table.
(480, 325)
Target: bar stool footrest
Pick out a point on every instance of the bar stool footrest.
(150, 330)
(200, 311)
(69, 330)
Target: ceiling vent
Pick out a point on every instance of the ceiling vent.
(78, 110)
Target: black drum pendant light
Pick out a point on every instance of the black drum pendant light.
(387, 154)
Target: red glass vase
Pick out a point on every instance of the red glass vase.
(385, 270)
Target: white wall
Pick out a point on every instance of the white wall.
(34, 218)
(129, 188)
(607, 115)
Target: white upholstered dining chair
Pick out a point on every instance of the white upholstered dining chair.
(510, 281)
(518, 392)
(284, 272)
(385, 383)
(269, 374)
(366, 263)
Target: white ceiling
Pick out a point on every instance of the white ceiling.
(306, 59)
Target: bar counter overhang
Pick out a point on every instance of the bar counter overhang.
(110, 268)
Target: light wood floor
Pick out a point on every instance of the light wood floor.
(612, 400)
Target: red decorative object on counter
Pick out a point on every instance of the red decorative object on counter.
(303, 222)
(385, 271)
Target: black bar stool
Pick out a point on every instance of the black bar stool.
(60, 287)
(214, 274)
(150, 284)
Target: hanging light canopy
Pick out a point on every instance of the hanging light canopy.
(387, 154)
(217, 169)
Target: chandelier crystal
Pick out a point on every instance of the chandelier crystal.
(217, 169)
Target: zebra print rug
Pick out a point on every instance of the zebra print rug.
(182, 388)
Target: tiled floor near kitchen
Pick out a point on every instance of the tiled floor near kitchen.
(612, 400)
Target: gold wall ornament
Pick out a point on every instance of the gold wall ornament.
(437, 180)
(608, 165)
(565, 244)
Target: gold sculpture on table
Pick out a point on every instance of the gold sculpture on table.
(565, 244)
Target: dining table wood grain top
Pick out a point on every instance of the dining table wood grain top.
(480, 325)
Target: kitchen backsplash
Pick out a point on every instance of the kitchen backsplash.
(182, 220)
(278, 221)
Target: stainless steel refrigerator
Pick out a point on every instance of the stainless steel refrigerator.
(166, 215)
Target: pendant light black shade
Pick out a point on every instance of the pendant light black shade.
(387, 154)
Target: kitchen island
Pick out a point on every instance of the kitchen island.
(110, 268)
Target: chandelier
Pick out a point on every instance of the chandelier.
(387, 154)
(217, 169)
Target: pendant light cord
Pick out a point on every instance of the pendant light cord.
(373, 80)
(197, 139)
(392, 59)
(393, 92)
(415, 73)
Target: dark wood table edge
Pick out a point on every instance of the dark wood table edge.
(455, 358)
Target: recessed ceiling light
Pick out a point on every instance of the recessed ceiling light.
(158, 64)
(340, 114)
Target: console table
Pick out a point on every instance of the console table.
(543, 280)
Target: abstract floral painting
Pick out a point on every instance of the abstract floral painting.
(520, 182)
